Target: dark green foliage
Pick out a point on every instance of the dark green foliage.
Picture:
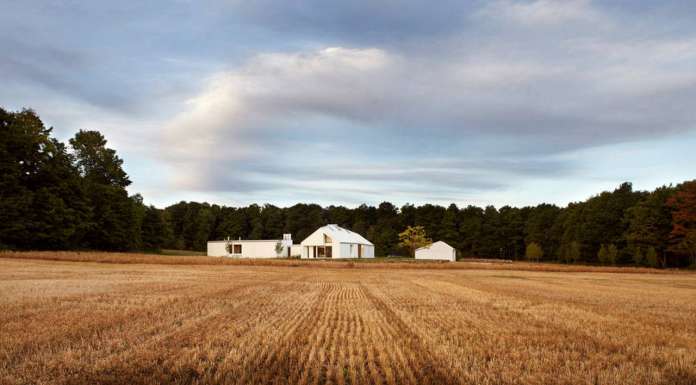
(42, 204)
(603, 230)
(97, 163)
(539, 227)
(450, 227)
(602, 255)
(54, 198)
(384, 233)
(114, 223)
(638, 257)
(649, 222)
(599, 220)
(612, 254)
(534, 252)
(154, 229)
(303, 219)
(651, 257)
(470, 230)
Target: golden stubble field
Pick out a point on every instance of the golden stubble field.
(108, 323)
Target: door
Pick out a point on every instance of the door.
(359, 251)
(328, 251)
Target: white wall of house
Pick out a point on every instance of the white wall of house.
(369, 251)
(216, 249)
(249, 249)
(438, 251)
(350, 250)
(342, 243)
(242, 248)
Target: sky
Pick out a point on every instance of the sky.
(233, 102)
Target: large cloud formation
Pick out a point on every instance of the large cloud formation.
(362, 101)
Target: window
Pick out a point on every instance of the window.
(237, 249)
(327, 239)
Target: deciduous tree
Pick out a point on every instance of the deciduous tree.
(534, 252)
(413, 237)
(683, 234)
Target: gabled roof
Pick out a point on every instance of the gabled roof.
(438, 243)
(340, 235)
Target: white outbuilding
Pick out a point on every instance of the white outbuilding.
(246, 248)
(438, 251)
(333, 241)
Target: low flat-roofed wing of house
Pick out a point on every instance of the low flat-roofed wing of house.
(252, 248)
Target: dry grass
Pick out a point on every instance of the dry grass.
(377, 263)
(86, 323)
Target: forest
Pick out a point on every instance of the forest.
(58, 196)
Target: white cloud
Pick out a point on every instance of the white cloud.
(340, 106)
(366, 115)
(541, 12)
(234, 104)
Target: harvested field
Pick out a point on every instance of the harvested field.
(384, 263)
(127, 323)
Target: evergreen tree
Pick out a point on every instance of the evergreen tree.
(383, 233)
(650, 222)
(470, 228)
(511, 231)
(491, 244)
(603, 255)
(651, 257)
(539, 227)
(154, 232)
(574, 252)
(612, 254)
(450, 227)
(638, 257)
(340, 215)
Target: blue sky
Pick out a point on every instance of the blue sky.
(471, 102)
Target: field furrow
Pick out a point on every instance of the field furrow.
(80, 323)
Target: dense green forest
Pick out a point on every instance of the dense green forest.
(58, 196)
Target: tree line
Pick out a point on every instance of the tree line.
(73, 196)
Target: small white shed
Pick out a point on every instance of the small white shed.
(333, 241)
(438, 251)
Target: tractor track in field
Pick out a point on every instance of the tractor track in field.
(174, 314)
(245, 325)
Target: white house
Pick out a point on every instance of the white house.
(245, 248)
(439, 251)
(333, 241)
